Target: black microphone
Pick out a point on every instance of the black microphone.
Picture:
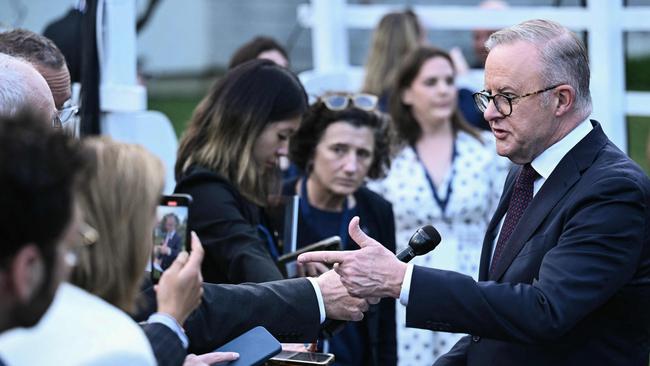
(424, 240)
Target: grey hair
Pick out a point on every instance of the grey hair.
(13, 91)
(562, 54)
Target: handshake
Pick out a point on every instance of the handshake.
(362, 277)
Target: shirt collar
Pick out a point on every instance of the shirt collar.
(545, 163)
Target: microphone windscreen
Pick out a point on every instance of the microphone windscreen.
(424, 240)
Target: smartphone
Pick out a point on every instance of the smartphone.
(255, 347)
(302, 358)
(171, 234)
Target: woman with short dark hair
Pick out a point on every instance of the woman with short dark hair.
(340, 143)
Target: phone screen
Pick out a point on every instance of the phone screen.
(310, 356)
(303, 358)
(171, 234)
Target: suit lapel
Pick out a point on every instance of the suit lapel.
(565, 175)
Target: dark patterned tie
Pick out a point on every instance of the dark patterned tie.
(522, 194)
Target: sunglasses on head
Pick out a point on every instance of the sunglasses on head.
(341, 101)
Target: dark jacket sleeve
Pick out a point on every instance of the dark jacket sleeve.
(387, 326)
(457, 355)
(226, 223)
(166, 346)
(288, 309)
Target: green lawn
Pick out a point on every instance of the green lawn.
(178, 110)
(638, 130)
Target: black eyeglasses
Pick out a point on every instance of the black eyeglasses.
(502, 102)
(340, 101)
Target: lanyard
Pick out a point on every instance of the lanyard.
(442, 203)
(270, 243)
(346, 215)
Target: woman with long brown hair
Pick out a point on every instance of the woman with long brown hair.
(228, 162)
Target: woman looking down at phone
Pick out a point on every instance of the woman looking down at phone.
(340, 143)
(228, 162)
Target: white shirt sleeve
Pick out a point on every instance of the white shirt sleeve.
(319, 296)
(170, 323)
(406, 285)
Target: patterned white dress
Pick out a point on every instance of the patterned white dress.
(475, 180)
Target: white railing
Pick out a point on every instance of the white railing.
(603, 20)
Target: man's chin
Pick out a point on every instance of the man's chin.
(28, 315)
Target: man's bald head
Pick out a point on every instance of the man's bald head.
(22, 87)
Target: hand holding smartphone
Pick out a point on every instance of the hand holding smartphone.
(255, 347)
(171, 234)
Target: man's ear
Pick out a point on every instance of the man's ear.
(565, 99)
(27, 272)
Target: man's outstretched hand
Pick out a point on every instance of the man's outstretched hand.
(370, 272)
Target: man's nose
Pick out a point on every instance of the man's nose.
(491, 112)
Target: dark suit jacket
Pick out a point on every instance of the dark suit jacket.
(174, 243)
(573, 284)
(378, 324)
(227, 223)
(288, 309)
(166, 346)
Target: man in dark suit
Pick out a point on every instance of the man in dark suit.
(171, 243)
(565, 270)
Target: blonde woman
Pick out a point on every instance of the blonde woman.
(118, 199)
(396, 35)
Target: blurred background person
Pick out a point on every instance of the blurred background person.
(479, 36)
(471, 81)
(342, 141)
(260, 47)
(228, 162)
(396, 35)
(446, 174)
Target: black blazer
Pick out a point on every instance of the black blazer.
(227, 223)
(376, 216)
(573, 284)
(288, 309)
